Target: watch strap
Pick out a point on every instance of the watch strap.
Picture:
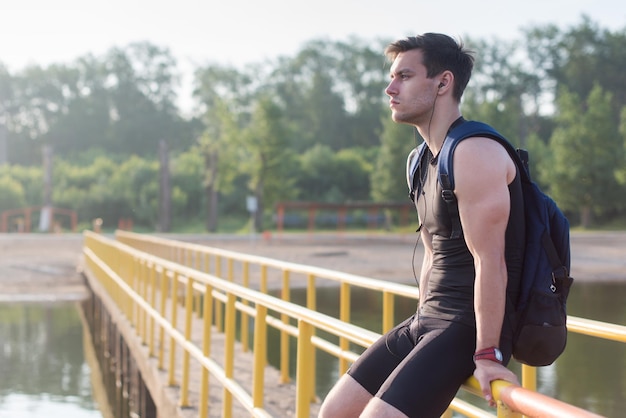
(490, 353)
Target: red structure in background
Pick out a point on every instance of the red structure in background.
(24, 221)
(373, 209)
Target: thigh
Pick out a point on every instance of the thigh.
(425, 382)
(376, 363)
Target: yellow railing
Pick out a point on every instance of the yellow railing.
(211, 260)
(125, 262)
(150, 291)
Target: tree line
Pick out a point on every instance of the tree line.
(312, 127)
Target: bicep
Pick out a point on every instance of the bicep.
(482, 173)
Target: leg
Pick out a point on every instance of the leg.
(377, 408)
(353, 391)
(336, 404)
(429, 377)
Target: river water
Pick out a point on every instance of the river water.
(46, 369)
(43, 368)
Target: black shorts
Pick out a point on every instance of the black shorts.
(419, 365)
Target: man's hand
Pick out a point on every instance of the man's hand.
(487, 371)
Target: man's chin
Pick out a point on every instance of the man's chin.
(398, 118)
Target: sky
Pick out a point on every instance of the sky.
(238, 32)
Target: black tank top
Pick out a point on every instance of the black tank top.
(450, 293)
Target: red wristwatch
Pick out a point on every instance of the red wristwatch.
(491, 353)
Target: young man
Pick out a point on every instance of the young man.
(460, 326)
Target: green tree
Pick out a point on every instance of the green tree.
(389, 175)
(143, 81)
(266, 157)
(30, 180)
(503, 91)
(11, 194)
(579, 58)
(332, 92)
(334, 177)
(317, 174)
(136, 182)
(620, 170)
(585, 149)
(187, 175)
(225, 95)
(305, 85)
(89, 190)
(123, 102)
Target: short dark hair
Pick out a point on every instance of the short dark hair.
(440, 53)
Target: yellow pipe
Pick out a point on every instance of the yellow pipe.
(162, 307)
(388, 311)
(259, 352)
(244, 316)
(311, 295)
(144, 295)
(207, 310)
(263, 284)
(153, 274)
(174, 306)
(218, 305)
(184, 388)
(284, 337)
(344, 315)
(229, 352)
(218, 266)
(304, 370)
(207, 262)
(231, 275)
(311, 303)
(529, 377)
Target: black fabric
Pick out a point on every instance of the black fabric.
(419, 365)
(450, 293)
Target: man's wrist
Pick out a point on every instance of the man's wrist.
(489, 353)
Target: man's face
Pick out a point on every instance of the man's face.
(411, 93)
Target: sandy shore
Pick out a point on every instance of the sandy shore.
(45, 267)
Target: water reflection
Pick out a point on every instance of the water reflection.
(42, 364)
(591, 373)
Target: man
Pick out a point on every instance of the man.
(460, 327)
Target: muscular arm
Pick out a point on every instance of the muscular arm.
(483, 171)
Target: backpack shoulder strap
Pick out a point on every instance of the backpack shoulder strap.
(446, 173)
(412, 163)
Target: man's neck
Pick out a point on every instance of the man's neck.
(435, 132)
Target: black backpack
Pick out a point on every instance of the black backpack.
(540, 312)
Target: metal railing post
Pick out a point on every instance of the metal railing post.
(284, 337)
(171, 378)
(229, 352)
(207, 321)
(244, 316)
(344, 315)
(388, 311)
(304, 371)
(260, 355)
(184, 388)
